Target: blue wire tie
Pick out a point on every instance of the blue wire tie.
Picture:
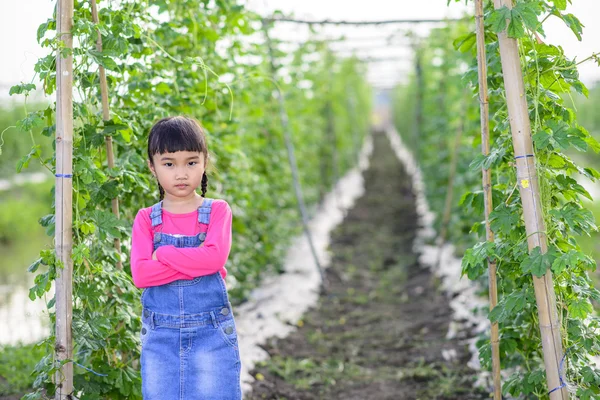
(63, 175)
(86, 368)
(526, 155)
(560, 374)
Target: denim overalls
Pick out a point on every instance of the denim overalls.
(189, 339)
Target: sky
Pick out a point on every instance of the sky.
(588, 11)
(19, 21)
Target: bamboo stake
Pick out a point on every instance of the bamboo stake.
(64, 203)
(487, 191)
(292, 159)
(106, 117)
(532, 208)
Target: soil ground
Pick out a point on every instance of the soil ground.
(380, 329)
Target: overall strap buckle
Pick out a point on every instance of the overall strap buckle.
(156, 214)
(204, 211)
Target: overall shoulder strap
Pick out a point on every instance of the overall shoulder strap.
(156, 214)
(204, 211)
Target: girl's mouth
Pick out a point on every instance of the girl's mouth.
(182, 186)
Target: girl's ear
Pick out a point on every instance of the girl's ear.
(151, 167)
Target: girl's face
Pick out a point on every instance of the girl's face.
(179, 173)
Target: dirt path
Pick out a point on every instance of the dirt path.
(380, 331)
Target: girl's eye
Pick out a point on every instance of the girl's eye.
(168, 164)
(192, 163)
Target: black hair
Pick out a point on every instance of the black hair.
(178, 133)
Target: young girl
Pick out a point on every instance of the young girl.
(178, 254)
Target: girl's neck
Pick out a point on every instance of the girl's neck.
(178, 205)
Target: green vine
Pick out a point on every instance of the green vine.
(159, 57)
(549, 79)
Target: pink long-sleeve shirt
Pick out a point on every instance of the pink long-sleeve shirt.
(175, 263)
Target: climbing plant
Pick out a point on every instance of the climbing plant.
(203, 59)
(550, 79)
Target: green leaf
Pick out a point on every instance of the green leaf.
(48, 222)
(591, 173)
(574, 219)
(526, 12)
(163, 88)
(504, 219)
(590, 376)
(493, 159)
(537, 263)
(21, 88)
(473, 200)
(569, 187)
(51, 302)
(87, 228)
(32, 294)
(465, 43)
(565, 261)
(103, 59)
(559, 133)
(35, 265)
(477, 162)
(24, 161)
(50, 24)
(580, 88)
(560, 4)
(556, 161)
(509, 306)
(475, 259)
(593, 143)
(498, 18)
(110, 127)
(565, 136)
(578, 143)
(515, 29)
(587, 394)
(107, 222)
(537, 377)
(33, 120)
(541, 140)
(580, 308)
(573, 22)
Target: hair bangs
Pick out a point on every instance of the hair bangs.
(173, 134)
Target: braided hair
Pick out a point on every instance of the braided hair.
(178, 133)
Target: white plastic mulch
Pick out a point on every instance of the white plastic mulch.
(279, 303)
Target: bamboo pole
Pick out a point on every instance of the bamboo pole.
(64, 203)
(487, 191)
(106, 116)
(532, 208)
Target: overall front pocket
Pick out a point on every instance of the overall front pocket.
(228, 331)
